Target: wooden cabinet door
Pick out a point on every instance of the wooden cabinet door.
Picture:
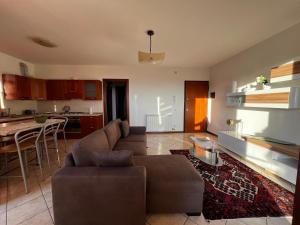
(90, 124)
(10, 86)
(16, 87)
(196, 100)
(56, 89)
(38, 89)
(92, 90)
(24, 87)
(74, 89)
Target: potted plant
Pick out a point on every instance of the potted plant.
(261, 81)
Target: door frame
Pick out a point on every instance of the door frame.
(105, 82)
(184, 130)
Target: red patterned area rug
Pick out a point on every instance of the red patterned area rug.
(237, 191)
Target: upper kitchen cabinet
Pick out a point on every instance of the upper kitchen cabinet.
(74, 89)
(16, 87)
(38, 89)
(92, 90)
(56, 89)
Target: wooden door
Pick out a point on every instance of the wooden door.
(196, 100)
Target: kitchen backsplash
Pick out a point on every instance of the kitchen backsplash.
(18, 106)
(76, 106)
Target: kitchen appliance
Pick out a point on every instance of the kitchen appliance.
(5, 112)
(73, 125)
(66, 108)
(29, 112)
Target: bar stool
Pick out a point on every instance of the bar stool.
(25, 140)
(50, 135)
(62, 128)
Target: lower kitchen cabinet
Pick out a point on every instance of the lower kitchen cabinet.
(81, 126)
(90, 123)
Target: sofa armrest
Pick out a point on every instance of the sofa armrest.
(137, 130)
(94, 195)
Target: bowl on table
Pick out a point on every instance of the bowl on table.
(40, 119)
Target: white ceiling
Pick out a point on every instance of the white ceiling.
(193, 33)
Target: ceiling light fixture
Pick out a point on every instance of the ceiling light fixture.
(152, 58)
(43, 42)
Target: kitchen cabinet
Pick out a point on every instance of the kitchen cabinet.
(92, 90)
(89, 124)
(56, 89)
(38, 89)
(74, 89)
(16, 87)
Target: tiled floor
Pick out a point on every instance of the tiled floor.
(35, 208)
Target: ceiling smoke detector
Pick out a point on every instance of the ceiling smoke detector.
(43, 42)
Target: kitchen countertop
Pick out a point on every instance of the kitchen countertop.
(11, 119)
(71, 114)
(27, 117)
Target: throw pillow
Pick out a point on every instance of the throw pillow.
(125, 128)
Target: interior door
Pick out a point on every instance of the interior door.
(196, 99)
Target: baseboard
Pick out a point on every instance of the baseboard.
(163, 132)
(214, 134)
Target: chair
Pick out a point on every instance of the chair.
(50, 134)
(25, 140)
(62, 128)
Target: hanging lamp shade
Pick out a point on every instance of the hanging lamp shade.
(153, 58)
(150, 57)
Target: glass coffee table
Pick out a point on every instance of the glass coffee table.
(205, 150)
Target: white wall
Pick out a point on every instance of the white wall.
(147, 83)
(244, 67)
(10, 64)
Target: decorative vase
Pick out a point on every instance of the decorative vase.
(260, 87)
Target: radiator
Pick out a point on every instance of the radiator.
(158, 123)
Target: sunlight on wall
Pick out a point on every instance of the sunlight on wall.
(209, 110)
(158, 110)
(254, 122)
(197, 115)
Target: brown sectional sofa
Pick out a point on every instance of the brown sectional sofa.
(86, 194)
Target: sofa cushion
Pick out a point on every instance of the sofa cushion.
(138, 148)
(95, 141)
(125, 128)
(114, 158)
(113, 132)
(173, 184)
(134, 138)
(102, 158)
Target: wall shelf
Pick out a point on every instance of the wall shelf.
(279, 98)
(286, 72)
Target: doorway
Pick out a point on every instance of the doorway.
(115, 99)
(195, 106)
